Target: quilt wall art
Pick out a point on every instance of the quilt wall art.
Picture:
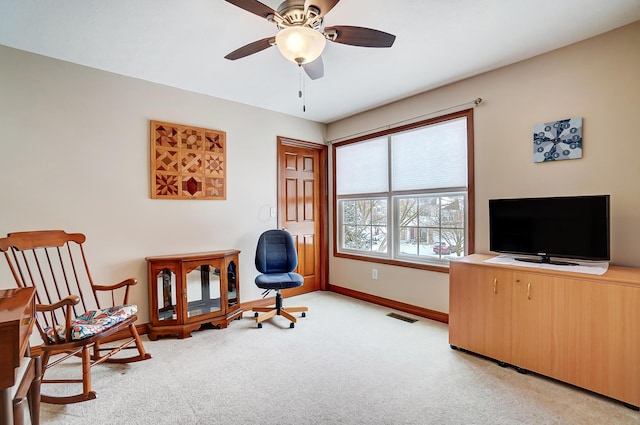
(187, 162)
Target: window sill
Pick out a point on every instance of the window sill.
(399, 263)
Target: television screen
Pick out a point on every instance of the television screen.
(566, 227)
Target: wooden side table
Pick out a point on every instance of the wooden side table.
(187, 291)
(20, 376)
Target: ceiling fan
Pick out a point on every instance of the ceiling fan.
(302, 36)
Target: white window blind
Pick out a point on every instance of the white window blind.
(430, 157)
(363, 167)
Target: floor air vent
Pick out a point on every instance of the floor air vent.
(401, 317)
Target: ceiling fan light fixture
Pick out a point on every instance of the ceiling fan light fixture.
(300, 44)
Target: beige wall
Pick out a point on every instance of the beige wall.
(597, 79)
(75, 156)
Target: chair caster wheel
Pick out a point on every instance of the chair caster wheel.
(304, 314)
(255, 314)
(259, 325)
(292, 325)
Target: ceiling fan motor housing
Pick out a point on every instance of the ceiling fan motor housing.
(293, 13)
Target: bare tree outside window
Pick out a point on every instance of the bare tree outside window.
(365, 224)
(431, 226)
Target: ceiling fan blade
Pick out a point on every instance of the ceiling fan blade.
(360, 36)
(323, 5)
(254, 6)
(314, 69)
(251, 48)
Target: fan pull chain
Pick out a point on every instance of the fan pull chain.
(301, 89)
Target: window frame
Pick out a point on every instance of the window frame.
(405, 261)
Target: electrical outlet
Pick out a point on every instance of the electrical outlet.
(273, 211)
(374, 273)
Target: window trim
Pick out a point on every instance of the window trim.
(470, 242)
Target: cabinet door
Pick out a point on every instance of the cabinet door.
(233, 289)
(480, 310)
(613, 354)
(534, 318)
(570, 339)
(164, 294)
(203, 292)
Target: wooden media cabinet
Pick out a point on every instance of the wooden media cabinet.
(578, 328)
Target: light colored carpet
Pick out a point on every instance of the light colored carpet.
(347, 362)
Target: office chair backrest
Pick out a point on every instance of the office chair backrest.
(276, 252)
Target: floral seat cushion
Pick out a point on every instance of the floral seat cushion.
(93, 322)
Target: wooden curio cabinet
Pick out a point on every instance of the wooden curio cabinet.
(190, 290)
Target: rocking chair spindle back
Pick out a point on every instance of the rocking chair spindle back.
(70, 313)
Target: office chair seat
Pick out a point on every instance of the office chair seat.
(279, 281)
(276, 259)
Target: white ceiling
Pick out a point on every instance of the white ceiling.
(182, 43)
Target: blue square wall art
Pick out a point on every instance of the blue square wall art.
(558, 140)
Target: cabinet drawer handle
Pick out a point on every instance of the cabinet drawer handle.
(529, 291)
(495, 285)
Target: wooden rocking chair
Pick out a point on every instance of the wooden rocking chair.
(69, 315)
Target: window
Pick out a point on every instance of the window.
(404, 196)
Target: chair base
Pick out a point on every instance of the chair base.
(278, 310)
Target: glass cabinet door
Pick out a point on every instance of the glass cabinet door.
(167, 301)
(203, 290)
(232, 283)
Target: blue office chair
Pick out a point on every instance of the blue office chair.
(276, 259)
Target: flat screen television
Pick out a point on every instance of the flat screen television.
(573, 227)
